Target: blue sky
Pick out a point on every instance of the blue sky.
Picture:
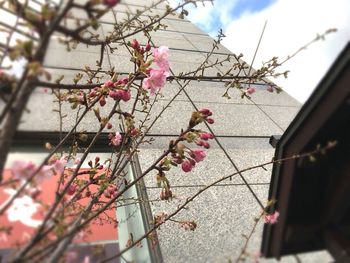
(232, 11)
(291, 24)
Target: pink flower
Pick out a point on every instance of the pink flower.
(251, 90)
(22, 170)
(59, 165)
(155, 81)
(272, 218)
(186, 166)
(110, 3)
(198, 155)
(115, 139)
(161, 57)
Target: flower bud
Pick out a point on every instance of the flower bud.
(148, 46)
(135, 45)
(251, 90)
(206, 145)
(186, 166)
(210, 120)
(102, 101)
(71, 189)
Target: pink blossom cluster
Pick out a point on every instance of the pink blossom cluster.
(116, 90)
(196, 156)
(22, 170)
(201, 116)
(272, 218)
(138, 49)
(156, 78)
(115, 138)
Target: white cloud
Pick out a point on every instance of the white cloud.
(291, 24)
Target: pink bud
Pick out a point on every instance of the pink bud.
(206, 136)
(109, 125)
(102, 101)
(198, 155)
(251, 90)
(126, 95)
(269, 89)
(186, 166)
(71, 189)
(109, 83)
(135, 45)
(148, 47)
(110, 3)
(134, 132)
(210, 120)
(206, 112)
(206, 145)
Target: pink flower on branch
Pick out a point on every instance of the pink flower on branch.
(59, 165)
(155, 81)
(198, 155)
(161, 57)
(22, 170)
(272, 218)
(115, 139)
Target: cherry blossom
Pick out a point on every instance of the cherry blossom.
(272, 218)
(198, 155)
(116, 139)
(161, 57)
(22, 170)
(59, 165)
(155, 81)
